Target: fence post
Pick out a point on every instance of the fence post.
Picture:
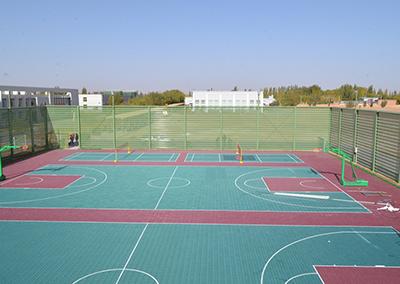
(221, 130)
(30, 111)
(185, 125)
(258, 127)
(46, 127)
(149, 121)
(355, 130)
(340, 128)
(114, 130)
(375, 140)
(294, 128)
(398, 158)
(10, 130)
(79, 125)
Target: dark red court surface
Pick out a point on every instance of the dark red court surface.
(299, 184)
(359, 275)
(39, 181)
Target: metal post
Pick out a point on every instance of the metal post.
(78, 109)
(30, 111)
(375, 140)
(398, 158)
(294, 128)
(149, 127)
(114, 130)
(221, 131)
(258, 126)
(10, 130)
(185, 125)
(355, 129)
(340, 128)
(46, 127)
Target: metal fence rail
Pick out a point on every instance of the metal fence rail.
(376, 135)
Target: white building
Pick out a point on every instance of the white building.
(17, 96)
(227, 98)
(91, 100)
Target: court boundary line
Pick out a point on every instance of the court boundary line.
(115, 269)
(291, 204)
(183, 209)
(348, 266)
(300, 275)
(312, 237)
(204, 224)
(147, 224)
(331, 182)
(64, 194)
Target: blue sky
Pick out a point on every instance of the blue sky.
(158, 45)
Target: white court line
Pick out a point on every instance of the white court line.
(106, 156)
(340, 189)
(327, 208)
(138, 157)
(319, 275)
(290, 156)
(73, 156)
(300, 275)
(313, 237)
(219, 157)
(145, 227)
(259, 159)
(11, 179)
(130, 256)
(192, 157)
(172, 156)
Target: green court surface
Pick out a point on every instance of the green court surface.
(42, 252)
(256, 158)
(123, 157)
(207, 188)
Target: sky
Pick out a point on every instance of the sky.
(190, 45)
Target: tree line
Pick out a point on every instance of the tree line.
(285, 96)
(313, 95)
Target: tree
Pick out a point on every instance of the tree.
(118, 98)
(235, 89)
(84, 90)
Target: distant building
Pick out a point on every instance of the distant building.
(91, 100)
(228, 98)
(125, 94)
(19, 96)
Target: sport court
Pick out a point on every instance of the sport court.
(84, 217)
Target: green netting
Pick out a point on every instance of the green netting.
(20, 126)
(61, 122)
(275, 128)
